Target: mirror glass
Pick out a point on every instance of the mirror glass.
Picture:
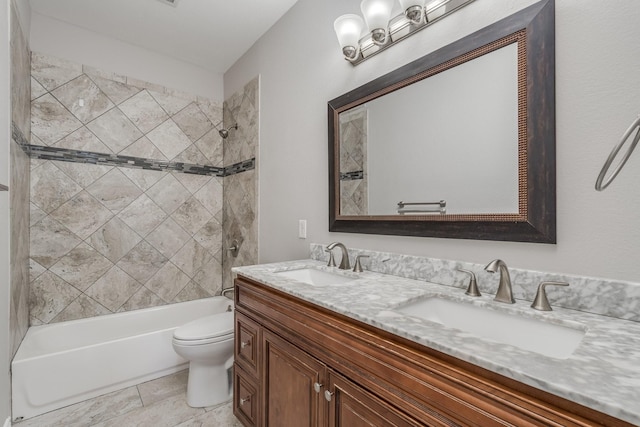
(457, 144)
(452, 137)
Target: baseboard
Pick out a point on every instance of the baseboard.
(7, 422)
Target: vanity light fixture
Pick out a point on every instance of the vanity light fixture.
(376, 15)
(348, 29)
(384, 31)
(413, 10)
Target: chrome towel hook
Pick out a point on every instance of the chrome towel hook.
(635, 126)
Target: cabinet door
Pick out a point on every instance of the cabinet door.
(246, 398)
(289, 385)
(247, 343)
(352, 406)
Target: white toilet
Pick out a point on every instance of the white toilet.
(207, 343)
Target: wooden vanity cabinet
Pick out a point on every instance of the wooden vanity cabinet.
(309, 366)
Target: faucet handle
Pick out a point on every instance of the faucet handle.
(357, 268)
(332, 260)
(541, 302)
(472, 289)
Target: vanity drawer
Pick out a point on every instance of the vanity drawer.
(247, 346)
(246, 397)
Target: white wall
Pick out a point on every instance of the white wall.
(57, 38)
(597, 96)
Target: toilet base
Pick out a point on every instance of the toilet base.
(208, 385)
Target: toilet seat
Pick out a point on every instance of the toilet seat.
(206, 330)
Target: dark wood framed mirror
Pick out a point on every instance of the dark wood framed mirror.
(457, 144)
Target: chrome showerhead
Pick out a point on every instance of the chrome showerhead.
(224, 133)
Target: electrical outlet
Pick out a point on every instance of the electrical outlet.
(302, 229)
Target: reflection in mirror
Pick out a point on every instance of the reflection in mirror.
(458, 144)
(452, 136)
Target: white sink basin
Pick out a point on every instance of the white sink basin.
(314, 277)
(549, 339)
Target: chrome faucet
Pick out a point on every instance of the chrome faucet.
(504, 293)
(344, 263)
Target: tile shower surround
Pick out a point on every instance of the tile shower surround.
(19, 186)
(148, 163)
(241, 190)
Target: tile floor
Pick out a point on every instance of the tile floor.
(158, 403)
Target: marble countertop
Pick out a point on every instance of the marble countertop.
(603, 373)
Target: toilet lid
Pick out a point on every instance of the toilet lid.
(214, 325)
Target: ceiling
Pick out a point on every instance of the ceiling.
(212, 34)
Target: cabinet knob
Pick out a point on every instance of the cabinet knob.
(327, 395)
(245, 400)
(245, 344)
(317, 387)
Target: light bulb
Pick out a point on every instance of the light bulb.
(376, 14)
(348, 29)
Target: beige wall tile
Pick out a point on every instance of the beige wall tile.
(50, 120)
(49, 296)
(52, 72)
(169, 139)
(113, 289)
(81, 267)
(114, 239)
(142, 262)
(95, 102)
(144, 298)
(115, 130)
(144, 111)
(114, 190)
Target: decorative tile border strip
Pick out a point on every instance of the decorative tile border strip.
(66, 155)
(18, 136)
(240, 167)
(351, 176)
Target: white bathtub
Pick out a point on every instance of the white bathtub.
(68, 362)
